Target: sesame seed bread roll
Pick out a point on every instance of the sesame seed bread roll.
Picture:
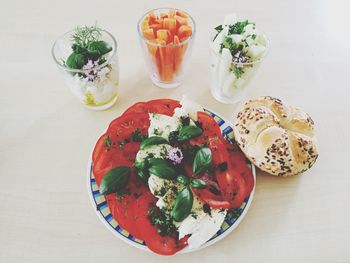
(276, 137)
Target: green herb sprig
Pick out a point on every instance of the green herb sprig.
(86, 45)
(83, 36)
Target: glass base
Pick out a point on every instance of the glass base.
(102, 107)
(165, 85)
(226, 100)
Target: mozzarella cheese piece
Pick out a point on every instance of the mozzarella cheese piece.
(237, 38)
(162, 125)
(200, 225)
(157, 151)
(188, 108)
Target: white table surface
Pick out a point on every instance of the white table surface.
(46, 135)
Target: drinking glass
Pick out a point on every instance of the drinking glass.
(96, 84)
(166, 60)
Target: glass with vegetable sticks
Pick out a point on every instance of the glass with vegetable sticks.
(87, 58)
(237, 49)
(166, 36)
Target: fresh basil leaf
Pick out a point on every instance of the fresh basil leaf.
(79, 49)
(75, 61)
(161, 168)
(183, 205)
(152, 141)
(141, 165)
(101, 47)
(182, 179)
(198, 183)
(202, 160)
(93, 55)
(143, 175)
(188, 132)
(115, 180)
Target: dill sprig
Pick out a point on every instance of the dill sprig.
(85, 35)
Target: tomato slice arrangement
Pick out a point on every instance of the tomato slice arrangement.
(233, 181)
(227, 185)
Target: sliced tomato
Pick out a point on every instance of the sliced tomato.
(163, 106)
(211, 194)
(100, 147)
(231, 183)
(209, 125)
(123, 207)
(139, 107)
(211, 199)
(112, 158)
(211, 130)
(163, 245)
(124, 125)
(232, 187)
(239, 164)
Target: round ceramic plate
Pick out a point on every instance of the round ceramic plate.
(231, 222)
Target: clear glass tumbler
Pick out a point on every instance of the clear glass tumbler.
(228, 80)
(166, 44)
(95, 84)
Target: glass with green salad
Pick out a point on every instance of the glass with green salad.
(87, 58)
(237, 49)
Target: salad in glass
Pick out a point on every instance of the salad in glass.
(237, 49)
(87, 58)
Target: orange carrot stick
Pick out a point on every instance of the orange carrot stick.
(170, 24)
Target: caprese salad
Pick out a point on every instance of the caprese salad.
(169, 176)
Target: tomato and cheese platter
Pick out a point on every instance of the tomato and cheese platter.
(167, 177)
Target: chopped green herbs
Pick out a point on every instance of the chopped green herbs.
(228, 43)
(162, 191)
(218, 29)
(238, 27)
(173, 137)
(185, 121)
(222, 166)
(136, 135)
(162, 220)
(108, 142)
(238, 72)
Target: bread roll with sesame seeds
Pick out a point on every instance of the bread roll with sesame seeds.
(276, 137)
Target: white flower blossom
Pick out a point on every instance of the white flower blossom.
(175, 155)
